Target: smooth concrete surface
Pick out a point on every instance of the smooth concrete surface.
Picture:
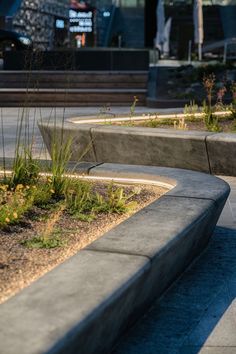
(222, 153)
(84, 305)
(151, 147)
(63, 134)
(194, 150)
(73, 308)
(197, 315)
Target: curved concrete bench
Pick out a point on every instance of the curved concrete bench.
(213, 153)
(83, 305)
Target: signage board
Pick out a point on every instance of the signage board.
(81, 26)
(81, 21)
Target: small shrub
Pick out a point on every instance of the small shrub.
(49, 238)
(157, 122)
(133, 106)
(116, 201)
(42, 193)
(41, 242)
(209, 83)
(180, 124)
(14, 203)
(191, 109)
(210, 120)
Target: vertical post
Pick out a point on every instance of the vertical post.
(199, 51)
(225, 53)
(198, 26)
(119, 41)
(189, 51)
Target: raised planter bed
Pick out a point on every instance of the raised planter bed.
(208, 152)
(83, 305)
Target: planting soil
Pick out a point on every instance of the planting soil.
(226, 126)
(21, 264)
(222, 125)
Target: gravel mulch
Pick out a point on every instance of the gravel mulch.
(20, 266)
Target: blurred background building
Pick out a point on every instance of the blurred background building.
(115, 23)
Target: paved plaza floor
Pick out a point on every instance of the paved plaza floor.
(198, 313)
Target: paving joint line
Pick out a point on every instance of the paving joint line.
(118, 252)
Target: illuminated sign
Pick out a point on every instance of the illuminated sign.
(81, 21)
(106, 14)
(60, 23)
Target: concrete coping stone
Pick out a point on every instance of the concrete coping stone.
(85, 304)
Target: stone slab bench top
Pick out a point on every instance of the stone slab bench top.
(85, 304)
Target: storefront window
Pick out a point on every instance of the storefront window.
(132, 3)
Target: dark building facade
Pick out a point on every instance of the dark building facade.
(119, 23)
(37, 19)
(219, 18)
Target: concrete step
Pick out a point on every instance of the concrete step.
(70, 97)
(70, 80)
(77, 88)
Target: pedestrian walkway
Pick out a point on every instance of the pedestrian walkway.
(197, 315)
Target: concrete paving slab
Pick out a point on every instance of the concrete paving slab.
(233, 207)
(219, 321)
(227, 217)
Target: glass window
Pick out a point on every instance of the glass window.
(132, 3)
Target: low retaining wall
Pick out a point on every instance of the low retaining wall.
(83, 305)
(213, 153)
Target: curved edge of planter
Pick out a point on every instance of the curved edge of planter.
(83, 305)
(195, 150)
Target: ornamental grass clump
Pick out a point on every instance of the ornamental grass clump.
(25, 169)
(60, 154)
